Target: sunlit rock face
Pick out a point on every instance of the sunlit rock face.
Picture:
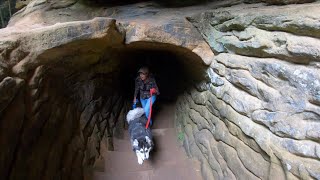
(259, 118)
(280, 2)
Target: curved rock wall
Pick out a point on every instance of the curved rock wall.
(259, 116)
(57, 116)
(51, 127)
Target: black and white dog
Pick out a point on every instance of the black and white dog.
(141, 138)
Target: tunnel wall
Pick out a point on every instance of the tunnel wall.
(61, 103)
(57, 115)
(259, 116)
(56, 125)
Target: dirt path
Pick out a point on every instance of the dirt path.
(168, 161)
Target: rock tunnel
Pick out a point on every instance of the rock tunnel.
(241, 77)
(175, 68)
(102, 93)
(74, 105)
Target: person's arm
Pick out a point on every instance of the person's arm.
(154, 85)
(136, 90)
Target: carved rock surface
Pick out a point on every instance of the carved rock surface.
(255, 116)
(262, 121)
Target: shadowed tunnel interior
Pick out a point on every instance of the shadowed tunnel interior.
(175, 69)
(76, 106)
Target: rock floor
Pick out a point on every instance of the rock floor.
(168, 160)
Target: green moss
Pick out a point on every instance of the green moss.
(181, 136)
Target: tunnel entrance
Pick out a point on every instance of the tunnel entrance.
(106, 87)
(175, 69)
(77, 105)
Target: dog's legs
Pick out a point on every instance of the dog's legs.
(140, 161)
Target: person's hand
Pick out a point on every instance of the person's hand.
(134, 100)
(153, 91)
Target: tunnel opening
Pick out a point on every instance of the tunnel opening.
(175, 69)
(111, 80)
(76, 108)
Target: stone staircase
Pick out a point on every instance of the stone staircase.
(168, 160)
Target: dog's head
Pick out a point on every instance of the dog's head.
(134, 114)
(142, 147)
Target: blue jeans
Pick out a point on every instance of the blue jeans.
(146, 105)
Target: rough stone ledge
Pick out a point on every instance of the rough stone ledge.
(278, 147)
(290, 35)
(33, 48)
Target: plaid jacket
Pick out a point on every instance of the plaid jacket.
(144, 87)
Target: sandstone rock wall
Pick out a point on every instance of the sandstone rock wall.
(259, 116)
(64, 76)
(55, 119)
(256, 116)
(52, 128)
(280, 2)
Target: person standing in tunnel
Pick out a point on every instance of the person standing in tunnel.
(145, 84)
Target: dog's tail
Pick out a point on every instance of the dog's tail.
(134, 114)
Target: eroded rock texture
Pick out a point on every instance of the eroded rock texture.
(280, 2)
(256, 116)
(55, 119)
(60, 104)
(259, 116)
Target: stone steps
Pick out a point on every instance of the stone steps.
(186, 171)
(167, 161)
(162, 139)
(140, 175)
(115, 161)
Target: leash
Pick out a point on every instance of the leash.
(149, 118)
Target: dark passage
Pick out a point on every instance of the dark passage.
(75, 110)
(174, 69)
